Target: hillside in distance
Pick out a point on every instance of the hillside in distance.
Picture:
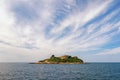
(65, 59)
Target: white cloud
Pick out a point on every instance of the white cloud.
(80, 18)
(7, 32)
(110, 51)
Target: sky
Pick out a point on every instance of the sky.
(32, 30)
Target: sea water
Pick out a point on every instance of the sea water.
(90, 71)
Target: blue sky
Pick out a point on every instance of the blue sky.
(31, 30)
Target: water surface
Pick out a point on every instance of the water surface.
(91, 71)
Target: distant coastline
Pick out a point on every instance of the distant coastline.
(65, 59)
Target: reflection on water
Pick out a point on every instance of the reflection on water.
(92, 71)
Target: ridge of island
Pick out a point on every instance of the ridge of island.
(65, 59)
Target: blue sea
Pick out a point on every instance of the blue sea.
(90, 71)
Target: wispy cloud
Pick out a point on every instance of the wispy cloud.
(57, 27)
(110, 51)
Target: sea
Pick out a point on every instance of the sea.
(88, 71)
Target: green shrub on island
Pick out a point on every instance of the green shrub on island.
(62, 59)
(55, 59)
(69, 59)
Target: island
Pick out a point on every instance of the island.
(65, 59)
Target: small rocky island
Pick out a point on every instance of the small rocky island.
(66, 59)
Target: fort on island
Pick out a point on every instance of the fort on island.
(65, 59)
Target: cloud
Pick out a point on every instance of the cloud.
(32, 28)
(110, 51)
(6, 24)
(82, 17)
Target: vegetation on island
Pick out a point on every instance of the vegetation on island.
(66, 59)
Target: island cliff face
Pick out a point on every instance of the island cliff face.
(66, 59)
